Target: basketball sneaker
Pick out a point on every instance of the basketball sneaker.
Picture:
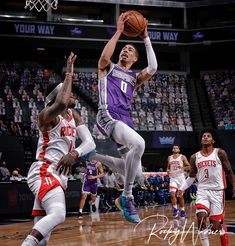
(126, 205)
(182, 214)
(79, 215)
(175, 212)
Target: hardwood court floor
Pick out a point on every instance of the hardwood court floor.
(111, 229)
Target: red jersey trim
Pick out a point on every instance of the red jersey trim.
(206, 155)
(218, 217)
(36, 212)
(45, 144)
(48, 181)
(199, 205)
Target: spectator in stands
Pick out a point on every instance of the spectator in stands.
(16, 176)
(221, 125)
(2, 103)
(111, 184)
(3, 128)
(13, 128)
(2, 110)
(5, 173)
(229, 125)
(77, 173)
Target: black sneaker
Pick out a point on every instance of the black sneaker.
(79, 215)
(93, 208)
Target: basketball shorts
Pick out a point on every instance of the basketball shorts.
(175, 183)
(41, 182)
(211, 201)
(38, 210)
(107, 118)
(89, 188)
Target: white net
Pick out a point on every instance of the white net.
(40, 5)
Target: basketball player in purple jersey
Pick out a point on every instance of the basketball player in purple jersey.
(94, 170)
(116, 85)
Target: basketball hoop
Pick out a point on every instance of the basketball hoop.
(40, 5)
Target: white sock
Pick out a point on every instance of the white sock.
(182, 208)
(204, 237)
(80, 210)
(175, 206)
(30, 241)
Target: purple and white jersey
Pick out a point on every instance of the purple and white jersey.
(90, 185)
(91, 170)
(116, 89)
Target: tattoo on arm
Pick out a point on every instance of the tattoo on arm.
(227, 166)
(193, 168)
(77, 117)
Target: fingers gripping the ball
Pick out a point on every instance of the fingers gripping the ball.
(135, 23)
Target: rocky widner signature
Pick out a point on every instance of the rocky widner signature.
(171, 234)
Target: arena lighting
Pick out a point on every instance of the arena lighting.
(17, 16)
(80, 20)
(40, 49)
(206, 42)
(159, 24)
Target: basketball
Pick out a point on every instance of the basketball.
(135, 24)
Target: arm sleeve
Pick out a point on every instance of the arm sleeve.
(151, 57)
(187, 183)
(87, 144)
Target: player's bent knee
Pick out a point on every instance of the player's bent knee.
(139, 146)
(58, 216)
(61, 217)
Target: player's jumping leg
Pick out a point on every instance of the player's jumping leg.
(126, 136)
(118, 165)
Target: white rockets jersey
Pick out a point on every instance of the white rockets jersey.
(52, 146)
(176, 166)
(210, 172)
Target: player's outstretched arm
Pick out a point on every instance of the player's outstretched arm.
(192, 176)
(151, 69)
(227, 168)
(105, 58)
(49, 113)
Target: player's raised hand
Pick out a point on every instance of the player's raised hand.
(70, 62)
(121, 22)
(144, 34)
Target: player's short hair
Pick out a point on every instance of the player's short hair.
(176, 145)
(136, 51)
(213, 133)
